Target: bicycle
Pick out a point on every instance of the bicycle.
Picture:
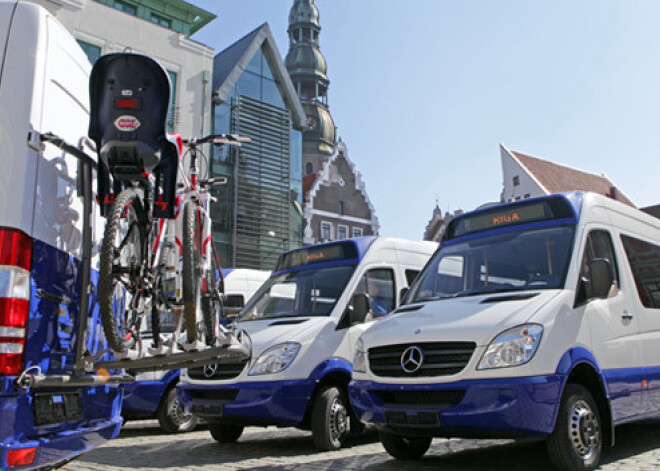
(157, 252)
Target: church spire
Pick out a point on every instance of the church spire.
(308, 71)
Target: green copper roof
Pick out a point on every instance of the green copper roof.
(182, 16)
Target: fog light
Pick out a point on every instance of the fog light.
(21, 456)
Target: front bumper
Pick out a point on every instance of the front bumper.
(510, 407)
(143, 397)
(249, 403)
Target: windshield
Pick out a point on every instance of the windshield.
(514, 261)
(312, 292)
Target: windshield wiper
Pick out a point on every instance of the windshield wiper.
(477, 292)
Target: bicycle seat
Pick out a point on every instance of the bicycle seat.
(129, 101)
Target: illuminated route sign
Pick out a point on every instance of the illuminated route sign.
(319, 254)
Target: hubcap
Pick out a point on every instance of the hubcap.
(584, 430)
(338, 420)
(178, 414)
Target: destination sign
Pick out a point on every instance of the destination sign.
(324, 253)
(554, 207)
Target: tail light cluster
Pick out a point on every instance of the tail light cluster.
(15, 267)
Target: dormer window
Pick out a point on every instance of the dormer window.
(516, 180)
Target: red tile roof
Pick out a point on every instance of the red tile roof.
(559, 178)
(308, 182)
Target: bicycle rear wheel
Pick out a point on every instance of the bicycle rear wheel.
(120, 271)
(212, 297)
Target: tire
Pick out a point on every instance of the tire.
(122, 250)
(577, 440)
(211, 299)
(172, 418)
(192, 250)
(330, 419)
(405, 448)
(226, 433)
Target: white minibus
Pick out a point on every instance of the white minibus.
(539, 318)
(302, 324)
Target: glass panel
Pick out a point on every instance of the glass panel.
(342, 232)
(159, 20)
(268, 66)
(312, 292)
(255, 63)
(125, 7)
(272, 94)
(249, 85)
(357, 232)
(93, 52)
(644, 260)
(379, 285)
(513, 261)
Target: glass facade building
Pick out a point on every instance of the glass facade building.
(259, 211)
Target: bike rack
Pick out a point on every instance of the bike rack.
(84, 362)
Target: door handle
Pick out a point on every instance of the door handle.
(626, 316)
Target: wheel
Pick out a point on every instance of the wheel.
(172, 417)
(577, 440)
(329, 418)
(121, 270)
(226, 433)
(405, 448)
(211, 298)
(192, 255)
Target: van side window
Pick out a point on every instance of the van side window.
(379, 285)
(644, 260)
(411, 275)
(599, 245)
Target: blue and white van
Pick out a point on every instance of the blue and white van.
(303, 324)
(153, 394)
(44, 87)
(539, 318)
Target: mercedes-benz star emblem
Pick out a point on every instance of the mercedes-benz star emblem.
(412, 359)
(210, 370)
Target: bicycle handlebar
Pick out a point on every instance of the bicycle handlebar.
(218, 139)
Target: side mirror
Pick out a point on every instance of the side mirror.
(601, 277)
(402, 294)
(359, 308)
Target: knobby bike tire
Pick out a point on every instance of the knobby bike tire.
(129, 202)
(192, 247)
(211, 300)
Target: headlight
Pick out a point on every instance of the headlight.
(360, 358)
(275, 359)
(512, 347)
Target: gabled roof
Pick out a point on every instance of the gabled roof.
(556, 178)
(229, 65)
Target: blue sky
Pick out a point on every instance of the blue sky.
(423, 92)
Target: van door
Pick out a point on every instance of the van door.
(644, 261)
(614, 333)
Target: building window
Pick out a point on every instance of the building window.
(326, 231)
(342, 232)
(516, 180)
(357, 232)
(341, 208)
(93, 52)
(125, 7)
(526, 195)
(159, 20)
(309, 168)
(171, 113)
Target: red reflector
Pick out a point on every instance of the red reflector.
(11, 364)
(14, 312)
(15, 249)
(126, 103)
(21, 456)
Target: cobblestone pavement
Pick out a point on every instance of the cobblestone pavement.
(141, 446)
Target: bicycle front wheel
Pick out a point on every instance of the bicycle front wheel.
(121, 267)
(192, 270)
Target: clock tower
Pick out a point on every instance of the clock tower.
(307, 68)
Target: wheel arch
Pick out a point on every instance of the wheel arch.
(579, 366)
(333, 372)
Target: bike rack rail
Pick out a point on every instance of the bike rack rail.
(84, 363)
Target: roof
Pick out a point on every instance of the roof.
(652, 210)
(229, 65)
(556, 178)
(308, 182)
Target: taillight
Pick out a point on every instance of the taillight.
(21, 456)
(15, 266)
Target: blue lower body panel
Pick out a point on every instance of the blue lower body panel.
(258, 403)
(143, 397)
(511, 407)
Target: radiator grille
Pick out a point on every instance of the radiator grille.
(438, 359)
